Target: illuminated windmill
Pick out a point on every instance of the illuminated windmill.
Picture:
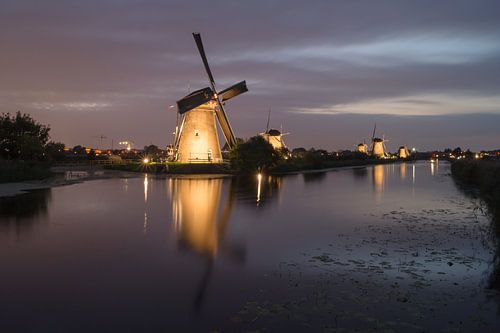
(403, 152)
(362, 148)
(378, 145)
(196, 138)
(274, 136)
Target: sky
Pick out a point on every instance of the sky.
(426, 72)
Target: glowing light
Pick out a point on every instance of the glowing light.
(477, 156)
(259, 182)
(146, 189)
(146, 160)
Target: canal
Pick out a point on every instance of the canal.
(383, 248)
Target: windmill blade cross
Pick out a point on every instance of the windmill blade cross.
(219, 110)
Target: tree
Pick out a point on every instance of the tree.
(152, 151)
(21, 137)
(253, 155)
(54, 151)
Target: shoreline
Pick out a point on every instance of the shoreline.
(12, 189)
(58, 179)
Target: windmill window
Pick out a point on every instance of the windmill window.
(196, 133)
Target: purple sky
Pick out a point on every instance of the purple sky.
(428, 72)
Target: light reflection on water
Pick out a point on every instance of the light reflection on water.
(166, 249)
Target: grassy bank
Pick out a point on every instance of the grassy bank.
(174, 168)
(212, 168)
(16, 171)
(483, 175)
(482, 178)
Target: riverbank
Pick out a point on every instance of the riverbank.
(59, 178)
(484, 177)
(481, 178)
(212, 168)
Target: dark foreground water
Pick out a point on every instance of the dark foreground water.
(389, 248)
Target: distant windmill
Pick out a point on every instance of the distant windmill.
(196, 138)
(362, 148)
(378, 145)
(274, 136)
(403, 152)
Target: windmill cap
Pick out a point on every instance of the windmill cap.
(378, 140)
(274, 132)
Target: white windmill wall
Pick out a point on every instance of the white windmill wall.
(199, 142)
(378, 148)
(403, 152)
(362, 148)
(275, 140)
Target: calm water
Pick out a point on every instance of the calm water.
(392, 246)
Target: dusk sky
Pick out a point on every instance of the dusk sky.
(427, 72)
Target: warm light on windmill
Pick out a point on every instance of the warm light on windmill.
(196, 138)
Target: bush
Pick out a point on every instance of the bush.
(14, 171)
(253, 155)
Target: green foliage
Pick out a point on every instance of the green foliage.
(255, 154)
(22, 138)
(54, 151)
(484, 176)
(18, 170)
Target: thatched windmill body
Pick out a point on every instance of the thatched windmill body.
(362, 148)
(274, 136)
(196, 138)
(378, 148)
(403, 152)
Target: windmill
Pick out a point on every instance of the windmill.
(196, 138)
(274, 136)
(378, 145)
(362, 148)
(403, 152)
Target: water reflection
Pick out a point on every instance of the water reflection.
(360, 173)
(434, 167)
(257, 190)
(312, 177)
(21, 212)
(402, 171)
(378, 178)
(413, 173)
(201, 216)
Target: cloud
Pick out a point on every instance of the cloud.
(418, 105)
(305, 61)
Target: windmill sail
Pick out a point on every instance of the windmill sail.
(234, 90)
(219, 111)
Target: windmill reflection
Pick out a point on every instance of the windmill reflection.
(402, 171)
(201, 216)
(378, 178)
